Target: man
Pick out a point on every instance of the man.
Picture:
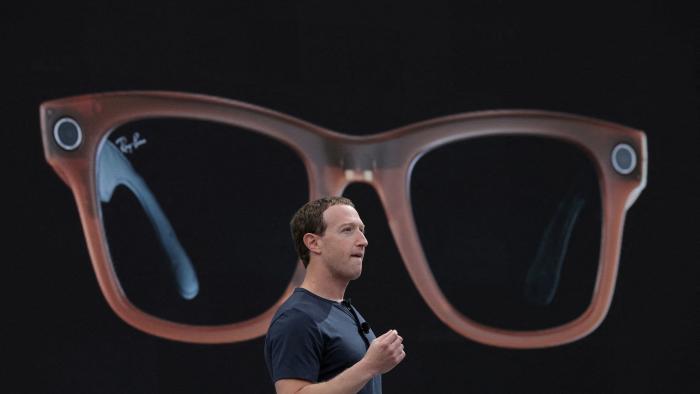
(317, 341)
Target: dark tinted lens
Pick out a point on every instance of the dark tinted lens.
(511, 228)
(196, 216)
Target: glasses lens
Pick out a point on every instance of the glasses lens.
(511, 228)
(194, 219)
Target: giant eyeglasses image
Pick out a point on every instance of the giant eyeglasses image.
(509, 222)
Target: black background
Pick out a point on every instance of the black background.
(358, 68)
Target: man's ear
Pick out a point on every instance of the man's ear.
(313, 243)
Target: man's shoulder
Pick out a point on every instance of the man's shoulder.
(291, 315)
(301, 308)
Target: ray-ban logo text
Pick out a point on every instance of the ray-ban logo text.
(127, 146)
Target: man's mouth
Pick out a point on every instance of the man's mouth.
(360, 255)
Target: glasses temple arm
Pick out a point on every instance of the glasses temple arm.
(542, 278)
(114, 169)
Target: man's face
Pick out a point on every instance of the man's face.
(343, 244)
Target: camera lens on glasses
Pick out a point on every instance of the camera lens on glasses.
(624, 159)
(67, 134)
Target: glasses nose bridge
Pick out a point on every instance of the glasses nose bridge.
(353, 159)
(348, 159)
(357, 159)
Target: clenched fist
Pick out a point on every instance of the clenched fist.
(385, 352)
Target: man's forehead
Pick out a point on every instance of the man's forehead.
(341, 214)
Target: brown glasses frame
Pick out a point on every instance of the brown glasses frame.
(334, 160)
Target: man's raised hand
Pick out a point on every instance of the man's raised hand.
(385, 352)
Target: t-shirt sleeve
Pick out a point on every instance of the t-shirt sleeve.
(294, 347)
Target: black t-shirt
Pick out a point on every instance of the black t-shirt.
(315, 339)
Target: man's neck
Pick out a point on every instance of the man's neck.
(324, 285)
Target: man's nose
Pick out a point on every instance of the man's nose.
(362, 240)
